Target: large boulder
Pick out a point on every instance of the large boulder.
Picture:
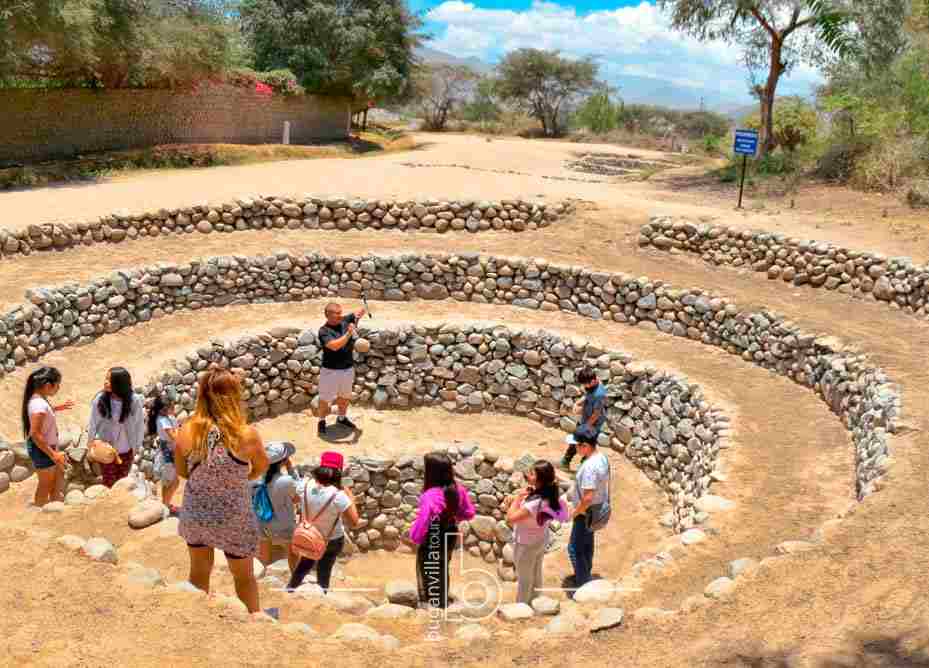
(595, 591)
(100, 549)
(719, 588)
(147, 513)
(544, 605)
(402, 592)
(355, 632)
(390, 611)
(606, 618)
(354, 604)
(513, 612)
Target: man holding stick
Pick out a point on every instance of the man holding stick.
(337, 374)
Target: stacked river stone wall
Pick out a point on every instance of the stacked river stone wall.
(308, 212)
(856, 390)
(819, 264)
(660, 420)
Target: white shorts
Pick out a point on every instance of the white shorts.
(335, 383)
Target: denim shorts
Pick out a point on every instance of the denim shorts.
(40, 460)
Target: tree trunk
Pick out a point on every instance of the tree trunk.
(766, 140)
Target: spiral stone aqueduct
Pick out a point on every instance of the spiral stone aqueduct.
(766, 413)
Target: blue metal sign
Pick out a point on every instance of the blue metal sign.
(746, 142)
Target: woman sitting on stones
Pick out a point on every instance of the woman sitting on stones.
(163, 426)
(283, 494)
(529, 513)
(117, 416)
(40, 427)
(217, 452)
(327, 506)
(442, 505)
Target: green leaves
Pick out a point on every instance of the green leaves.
(542, 81)
(111, 43)
(833, 27)
(350, 47)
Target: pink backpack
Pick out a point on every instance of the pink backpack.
(308, 542)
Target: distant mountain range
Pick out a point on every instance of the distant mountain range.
(431, 56)
(633, 89)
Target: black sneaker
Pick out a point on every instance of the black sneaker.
(345, 422)
(321, 428)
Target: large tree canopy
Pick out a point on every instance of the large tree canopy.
(357, 47)
(544, 83)
(112, 43)
(775, 35)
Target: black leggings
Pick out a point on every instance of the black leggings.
(323, 570)
(432, 563)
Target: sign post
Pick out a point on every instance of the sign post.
(744, 144)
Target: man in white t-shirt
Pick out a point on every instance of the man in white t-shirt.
(591, 487)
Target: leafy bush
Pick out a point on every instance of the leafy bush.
(712, 144)
(279, 81)
(795, 123)
(659, 121)
(888, 165)
(598, 113)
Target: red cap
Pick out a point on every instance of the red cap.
(332, 460)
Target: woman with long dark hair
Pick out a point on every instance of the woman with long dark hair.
(529, 513)
(117, 416)
(40, 427)
(218, 453)
(442, 505)
(328, 507)
(162, 425)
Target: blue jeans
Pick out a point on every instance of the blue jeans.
(581, 550)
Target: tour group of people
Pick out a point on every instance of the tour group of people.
(245, 497)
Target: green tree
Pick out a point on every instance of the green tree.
(362, 48)
(599, 113)
(543, 84)
(112, 43)
(795, 123)
(774, 35)
(439, 89)
(483, 107)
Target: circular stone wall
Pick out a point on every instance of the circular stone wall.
(659, 420)
(308, 212)
(855, 389)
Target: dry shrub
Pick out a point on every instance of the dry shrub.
(837, 163)
(917, 194)
(889, 164)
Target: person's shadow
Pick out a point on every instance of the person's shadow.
(338, 433)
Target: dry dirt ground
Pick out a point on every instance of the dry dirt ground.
(854, 600)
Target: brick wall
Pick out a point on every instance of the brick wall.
(42, 124)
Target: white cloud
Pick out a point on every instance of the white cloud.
(632, 41)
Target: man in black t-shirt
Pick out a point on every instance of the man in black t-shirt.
(337, 374)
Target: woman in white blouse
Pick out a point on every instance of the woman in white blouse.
(117, 416)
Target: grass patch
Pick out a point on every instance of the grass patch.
(185, 156)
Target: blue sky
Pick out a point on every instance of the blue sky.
(630, 39)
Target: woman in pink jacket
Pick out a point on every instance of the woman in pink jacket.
(442, 505)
